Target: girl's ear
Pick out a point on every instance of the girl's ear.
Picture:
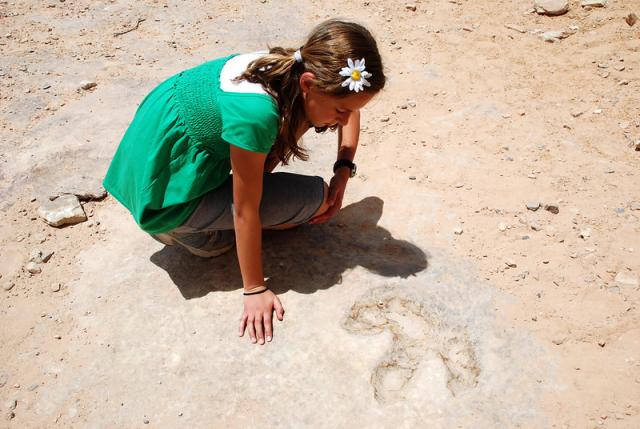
(307, 81)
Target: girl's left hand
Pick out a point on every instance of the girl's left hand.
(337, 186)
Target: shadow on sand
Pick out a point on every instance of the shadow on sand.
(304, 259)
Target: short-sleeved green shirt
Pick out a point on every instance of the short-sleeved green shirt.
(177, 147)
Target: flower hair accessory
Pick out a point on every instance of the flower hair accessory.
(356, 75)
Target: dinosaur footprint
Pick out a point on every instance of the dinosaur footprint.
(415, 331)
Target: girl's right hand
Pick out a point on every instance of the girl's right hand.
(258, 314)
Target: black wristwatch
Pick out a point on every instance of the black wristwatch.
(345, 163)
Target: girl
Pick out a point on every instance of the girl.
(245, 114)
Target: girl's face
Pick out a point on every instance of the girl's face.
(324, 110)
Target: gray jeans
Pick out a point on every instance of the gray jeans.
(287, 198)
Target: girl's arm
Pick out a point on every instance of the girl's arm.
(348, 136)
(248, 169)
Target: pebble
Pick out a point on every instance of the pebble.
(410, 6)
(8, 286)
(631, 19)
(624, 278)
(145, 421)
(64, 210)
(535, 226)
(551, 7)
(384, 119)
(597, 111)
(601, 343)
(411, 103)
(559, 340)
(577, 113)
(585, 233)
(510, 263)
(55, 287)
(87, 85)
(412, 177)
(553, 208)
(33, 268)
(502, 226)
(515, 28)
(593, 3)
(458, 230)
(635, 205)
(555, 35)
(533, 205)
(623, 82)
(11, 404)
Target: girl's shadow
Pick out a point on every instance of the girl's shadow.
(304, 259)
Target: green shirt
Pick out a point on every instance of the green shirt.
(177, 146)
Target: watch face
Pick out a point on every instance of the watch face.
(353, 171)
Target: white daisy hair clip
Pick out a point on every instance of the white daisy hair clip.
(356, 75)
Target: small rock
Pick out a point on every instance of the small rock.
(145, 421)
(593, 3)
(551, 7)
(8, 286)
(412, 177)
(510, 263)
(458, 230)
(535, 226)
(515, 28)
(55, 287)
(63, 211)
(384, 119)
(559, 340)
(10, 415)
(412, 7)
(33, 268)
(46, 256)
(576, 113)
(35, 256)
(627, 279)
(601, 343)
(11, 404)
(502, 226)
(585, 233)
(87, 85)
(553, 208)
(411, 103)
(623, 82)
(597, 111)
(631, 19)
(533, 205)
(57, 337)
(635, 205)
(555, 35)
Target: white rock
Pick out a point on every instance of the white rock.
(35, 256)
(84, 187)
(458, 230)
(555, 35)
(593, 3)
(533, 205)
(55, 287)
(635, 205)
(624, 278)
(502, 226)
(62, 211)
(551, 7)
(8, 286)
(33, 268)
(87, 84)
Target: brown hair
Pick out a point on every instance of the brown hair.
(324, 54)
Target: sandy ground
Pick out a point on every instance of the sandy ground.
(393, 319)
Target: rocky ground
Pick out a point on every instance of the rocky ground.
(483, 273)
